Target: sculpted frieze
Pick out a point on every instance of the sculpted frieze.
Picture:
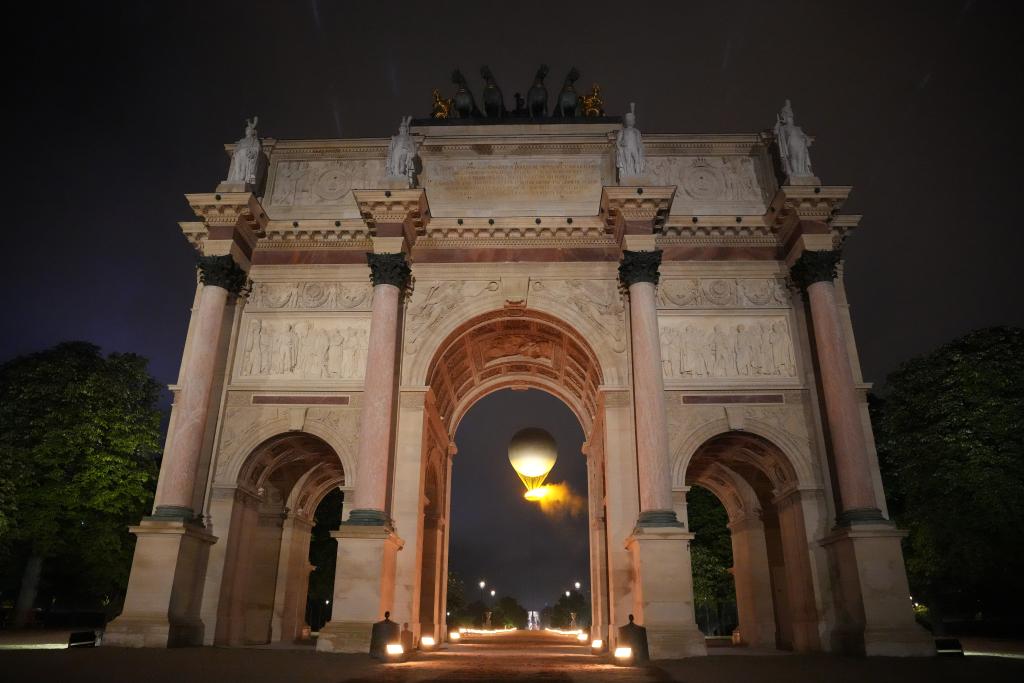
(726, 347)
(596, 301)
(293, 348)
(723, 293)
(708, 179)
(311, 296)
(433, 302)
(309, 183)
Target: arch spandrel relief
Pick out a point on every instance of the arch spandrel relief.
(438, 307)
(287, 348)
(594, 304)
(434, 302)
(244, 428)
(736, 348)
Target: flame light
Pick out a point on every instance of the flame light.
(533, 453)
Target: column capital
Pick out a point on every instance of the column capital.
(635, 210)
(389, 269)
(394, 213)
(639, 266)
(221, 271)
(815, 266)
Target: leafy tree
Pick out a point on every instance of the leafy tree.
(711, 550)
(456, 606)
(951, 449)
(78, 437)
(561, 612)
(714, 592)
(509, 613)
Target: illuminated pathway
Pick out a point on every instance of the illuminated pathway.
(516, 655)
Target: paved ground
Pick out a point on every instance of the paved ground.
(509, 657)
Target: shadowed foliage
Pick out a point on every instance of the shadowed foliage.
(951, 449)
(79, 434)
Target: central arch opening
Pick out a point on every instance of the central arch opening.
(493, 375)
(527, 554)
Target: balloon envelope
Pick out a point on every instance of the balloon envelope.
(532, 453)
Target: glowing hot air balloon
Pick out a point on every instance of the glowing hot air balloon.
(532, 453)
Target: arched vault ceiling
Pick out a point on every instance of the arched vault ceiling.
(514, 348)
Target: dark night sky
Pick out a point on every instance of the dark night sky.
(496, 535)
(118, 110)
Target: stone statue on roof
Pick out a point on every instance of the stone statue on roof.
(401, 161)
(629, 147)
(794, 146)
(245, 159)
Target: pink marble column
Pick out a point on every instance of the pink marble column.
(220, 276)
(390, 274)
(639, 272)
(815, 272)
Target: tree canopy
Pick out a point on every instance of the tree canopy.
(79, 434)
(711, 550)
(951, 449)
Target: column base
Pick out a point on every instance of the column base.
(874, 615)
(165, 587)
(663, 589)
(364, 586)
(345, 636)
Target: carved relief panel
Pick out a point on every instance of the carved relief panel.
(698, 293)
(310, 296)
(322, 182)
(704, 348)
(293, 348)
(598, 302)
(433, 302)
(707, 184)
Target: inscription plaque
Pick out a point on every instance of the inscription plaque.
(511, 187)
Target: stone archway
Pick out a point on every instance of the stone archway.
(266, 572)
(512, 348)
(758, 486)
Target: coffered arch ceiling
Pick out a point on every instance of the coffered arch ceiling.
(514, 348)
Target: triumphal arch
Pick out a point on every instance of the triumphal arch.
(681, 293)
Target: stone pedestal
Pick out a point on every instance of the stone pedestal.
(166, 587)
(873, 598)
(663, 591)
(364, 581)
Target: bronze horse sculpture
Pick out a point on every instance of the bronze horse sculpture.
(463, 100)
(568, 101)
(537, 95)
(494, 102)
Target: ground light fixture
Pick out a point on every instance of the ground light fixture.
(596, 646)
(624, 656)
(582, 637)
(454, 635)
(427, 642)
(395, 652)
